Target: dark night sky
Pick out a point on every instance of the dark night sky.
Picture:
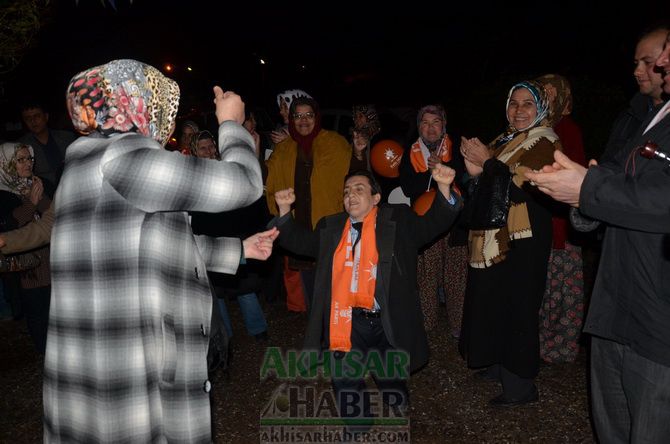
(417, 52)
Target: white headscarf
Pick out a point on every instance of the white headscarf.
(289, 96)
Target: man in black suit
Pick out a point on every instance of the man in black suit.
(377, 259)
(629, 315)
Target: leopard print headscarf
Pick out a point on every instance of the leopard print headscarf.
(123, 96)
(559, 94)
(371, 127)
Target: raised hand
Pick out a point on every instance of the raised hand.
(360, 143)
(229, 106)
(444, 177)
(279, 136)
(259, 245)
(284, 199)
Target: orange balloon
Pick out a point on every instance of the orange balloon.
(385, 158)
(423, 203)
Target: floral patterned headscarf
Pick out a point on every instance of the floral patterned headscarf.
(9, 177)
(559, 94)
(123, 96)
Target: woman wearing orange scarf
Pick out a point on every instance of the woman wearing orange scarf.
(442, 266)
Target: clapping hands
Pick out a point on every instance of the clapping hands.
(475, 154)
(561, 180)
(36, 191)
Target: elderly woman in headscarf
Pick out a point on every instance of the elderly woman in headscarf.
(24, 199)
(131, 302)
(312, 161)
(442, 266)
(509, 240)
(203, 145)
(562, 309)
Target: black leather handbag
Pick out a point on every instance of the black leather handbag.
(491, 200)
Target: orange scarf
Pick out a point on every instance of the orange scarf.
(419, 157)
(353, 281)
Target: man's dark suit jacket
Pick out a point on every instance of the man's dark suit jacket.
(400, 234)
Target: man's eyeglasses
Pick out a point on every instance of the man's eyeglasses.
(23, 160)
(308, 115)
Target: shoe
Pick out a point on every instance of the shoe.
(503, 401)
(262, 336)
(485, 375)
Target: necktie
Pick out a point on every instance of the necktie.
(358, 226)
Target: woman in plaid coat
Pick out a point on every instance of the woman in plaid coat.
(131, 304)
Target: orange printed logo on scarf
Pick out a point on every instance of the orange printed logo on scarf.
(419, 157)
(353, 280)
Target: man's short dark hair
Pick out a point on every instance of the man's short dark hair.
(374, 185)
(33, 104)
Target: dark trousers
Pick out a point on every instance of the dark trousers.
(367, 335)
(36, 303)
(630, 395)
(514, 386)
(307, 277)
(13, 294)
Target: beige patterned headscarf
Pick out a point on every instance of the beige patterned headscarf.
(124, 96)
(9, 176)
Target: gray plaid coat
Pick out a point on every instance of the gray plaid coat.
(131, 304)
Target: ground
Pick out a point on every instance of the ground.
(448, 404)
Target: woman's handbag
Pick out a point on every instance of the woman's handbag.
(491, 200)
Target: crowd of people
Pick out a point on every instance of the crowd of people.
(121, 254)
